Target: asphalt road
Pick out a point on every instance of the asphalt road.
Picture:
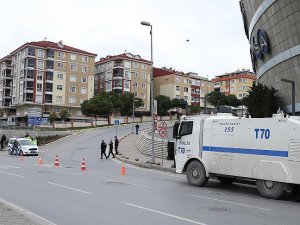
(100, 195)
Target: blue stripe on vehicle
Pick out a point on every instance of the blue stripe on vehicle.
(246, 151)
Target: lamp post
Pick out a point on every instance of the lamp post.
(293, 94)
(145, 23)
(132, 130)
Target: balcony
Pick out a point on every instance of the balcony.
(49, 68)
(118, 87)
(117, 76)
(120, 65)
(49, 90)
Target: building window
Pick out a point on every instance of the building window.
(84, 69)
(40, 76)
(142, 95)
(186, 98)
(109, 65)
(178, 96)
(143, 85)
(185, 81)
(144, 76)
(72, 89)
(60, 76)
(136, 65)
(144, 66)
(108, 85)
(83, 79)
(40, 53)
(127, 74)
(134, 74)
(73, 78)
(72, 99)
(177, 88)
(135, 94)
(59, 87)
(85, 59)
(31, 51)
(56, 109)
(40, 64)
(185, 89)
(73, 67)
(134, 84)
(73, 56)
(59, 98)
(83, 90)
(177, 79)
(38, 99)
(127, 64)
(61, 54)
(39, 87)
(60, 65)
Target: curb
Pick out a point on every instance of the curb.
(147, 166)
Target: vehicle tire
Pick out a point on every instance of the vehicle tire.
(296, 190)
(195, 174)
(270, 189)
(227, 180)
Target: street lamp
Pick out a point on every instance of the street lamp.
(133, 107)
(145, 23)
(293, 93)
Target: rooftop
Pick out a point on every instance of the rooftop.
(129, 56)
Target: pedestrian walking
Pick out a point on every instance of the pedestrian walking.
(3, 139)
(111, 146)
(103, 149)
(116, 145)
(137, 126)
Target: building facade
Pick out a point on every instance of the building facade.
(273, 30)
(188, 86)
(235, 83)
(124, 73)
(50, 77)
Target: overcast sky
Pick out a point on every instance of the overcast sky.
(217, 42)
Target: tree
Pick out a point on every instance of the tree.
(195, 109)
(216, 98)
(163, 105)
(261, 101)
(105, 102)
(53, 117)
(63, 114)
(232, 100)
(178, 104)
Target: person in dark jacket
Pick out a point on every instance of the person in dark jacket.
(111, 146)
(3, 139)
(137, 126)
(116, 145)
(103, 149)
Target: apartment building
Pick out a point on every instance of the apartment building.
(5, 84)
(124, 73)
(188, 86)
(236, 83)
(50, 77)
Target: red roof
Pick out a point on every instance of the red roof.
(157, 72)
(122, 56)
(53, 45)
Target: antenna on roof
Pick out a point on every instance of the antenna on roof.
(45, 38)
(60, 44)
(125, 50)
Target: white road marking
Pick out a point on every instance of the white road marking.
(8, 166)
(235, 203)
(27, 213)
(23, 165)
(165, 214)
(70, 188)
(78, 174)
(139, 185)
(12, 174)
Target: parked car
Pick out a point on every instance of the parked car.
(26, 146)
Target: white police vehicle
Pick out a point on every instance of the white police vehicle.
(266, 150)
(25, 146)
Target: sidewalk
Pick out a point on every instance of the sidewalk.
(130, 154)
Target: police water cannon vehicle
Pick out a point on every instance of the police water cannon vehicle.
(228, 147)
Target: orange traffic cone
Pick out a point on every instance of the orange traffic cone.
(83, 165)
(123, 170)
(56, 163)
(21, 157)
(40, 161)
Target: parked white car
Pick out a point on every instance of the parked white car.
(27, 147)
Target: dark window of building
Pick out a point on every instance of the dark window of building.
(49, 75)
(29, 74)
(50, 53)
(30, 62)
(50, 65)
(31, 51)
